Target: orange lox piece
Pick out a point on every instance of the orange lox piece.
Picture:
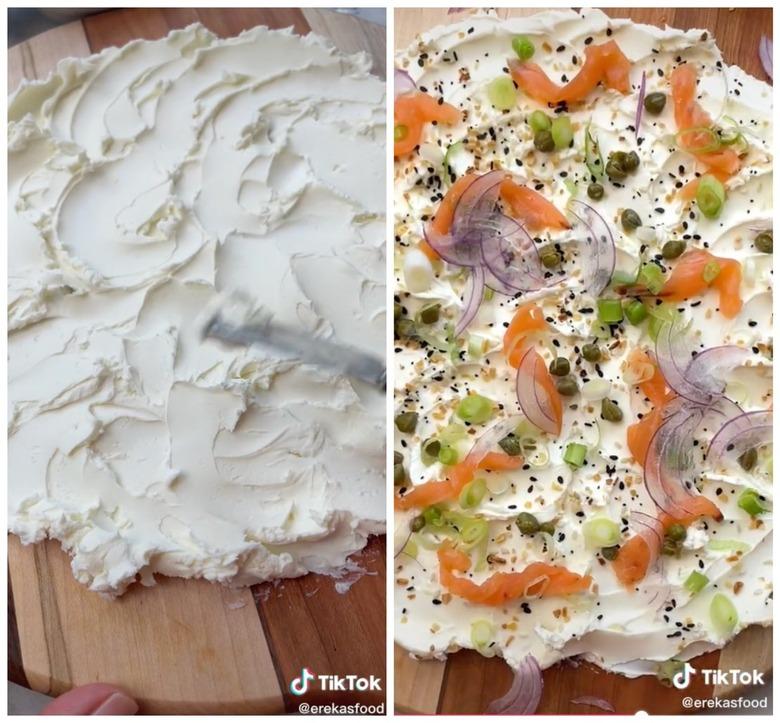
(527, 319)
(604, 63)
(688, 191)
(694, 507)
(442, 221)
(413, 110)
(632, 561)
(538, 579)
(530, 207)
(432, 493)
(687, 280)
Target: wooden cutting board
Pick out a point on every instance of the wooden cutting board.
(467, 682)
(188, 646)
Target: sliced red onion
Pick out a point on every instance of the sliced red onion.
(640, 106)
(476, 206)
(448, 247)
(700, 378)
(402, 83)
(475, 293)
(765, 51)
(651, 530)
(536, 409)
(669, 459)
(524, 695)
(595, 702)
(741, 433)
(598, 253)
(512, 257)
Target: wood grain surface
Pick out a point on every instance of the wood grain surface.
(188, 646)
(467, 682)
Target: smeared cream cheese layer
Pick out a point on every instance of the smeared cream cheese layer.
(625, 631)
(143, 182)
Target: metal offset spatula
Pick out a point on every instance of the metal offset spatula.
(226, 327)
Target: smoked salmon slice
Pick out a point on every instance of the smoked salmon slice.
(604, 63)
(531, 208)
(412, 111)
(528, 318)
(432, 493)
(539, 579)
(688, 279)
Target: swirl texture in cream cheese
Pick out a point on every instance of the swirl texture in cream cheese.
(144, 181)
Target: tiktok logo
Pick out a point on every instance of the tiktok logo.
(298, 686)
(682, 679)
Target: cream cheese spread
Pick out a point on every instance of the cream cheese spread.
(625, 630)
(143, 182)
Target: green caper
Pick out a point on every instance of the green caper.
(747, 460)
(398, 458)
(560, 366)
(676, 532)
(630, 219)
(418, 523)
(567, 386)
(511, 445)
(591, 352)
(610, 553)
(615, 171)
(527, 523)
(399, 475)
(672, 249)
(655, 102)
(670, 547)
(631, 163)
(429, 314)
(763, 242)
(405, 329)
(547, 527)
(595, 191)
(543, 141)
(619, 157)
(610, 411)
(397, 310)
(431, 447)
(406, 422)
(549, 257)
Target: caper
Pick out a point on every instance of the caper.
(747, 460)
(405, 329)
(429, 314)
(676, 532)
(595, 191)
(619, 157)
(543, 141)
(630, 219)
(655, 102)
(567, 386)
(763, 242)
(511, 445)
(560, 366)
(431, 447)
(418, 523)
(610, 411)
(610, 553)
(615, 171)
(398, 458)
(527, 523)
(399, 475)
(670, 547)
(549, 257)
(591, 352)
(672, 249)
(547, 527)
(406, 422)
(631, 162)
(397, 310)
